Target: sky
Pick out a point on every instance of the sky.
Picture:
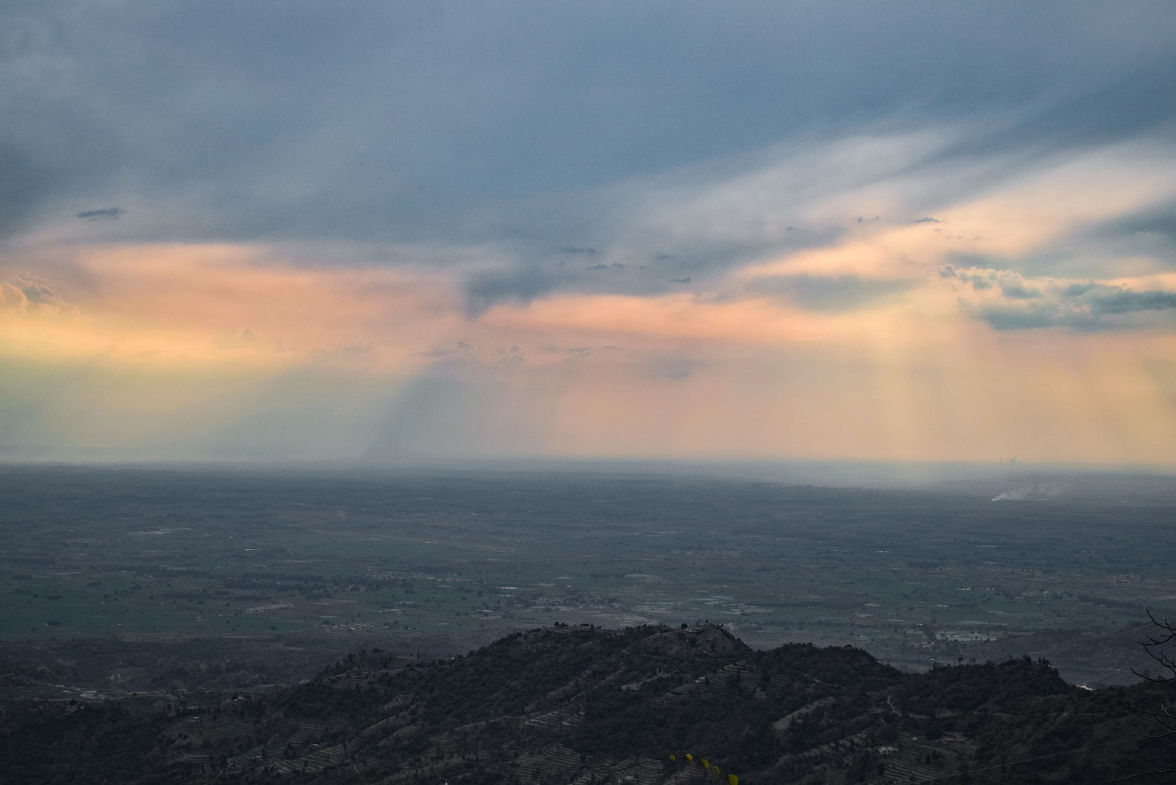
(402, 231)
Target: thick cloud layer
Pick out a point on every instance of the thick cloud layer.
(521, 124)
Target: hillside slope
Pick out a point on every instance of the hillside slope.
(587, 705)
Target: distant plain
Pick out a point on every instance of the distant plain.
(436, 562)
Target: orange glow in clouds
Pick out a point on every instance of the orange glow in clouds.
(180, 343)
(227, 305)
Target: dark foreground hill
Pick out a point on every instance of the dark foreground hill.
(586, 705)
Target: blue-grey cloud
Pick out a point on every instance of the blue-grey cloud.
(1156, 221)
(1126, 99)
(29, 289)
(521, 124)
(1040, 318)
(101, 213)
(521, 285)
(1084, 306)
(37, 292)
(832, 293)
(1149, 233)
(575, 250)
(1010, 284)
(675, 368)
(1120, 299)
(26, 187)
(1019, 291)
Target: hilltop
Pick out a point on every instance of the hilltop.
(588, 705)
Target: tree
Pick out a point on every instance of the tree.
(1161, 647)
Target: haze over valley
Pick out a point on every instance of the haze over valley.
(438, 562)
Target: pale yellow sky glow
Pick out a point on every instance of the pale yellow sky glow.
(219, 307)
(170, 349)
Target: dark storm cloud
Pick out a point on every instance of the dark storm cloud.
(516, 123)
